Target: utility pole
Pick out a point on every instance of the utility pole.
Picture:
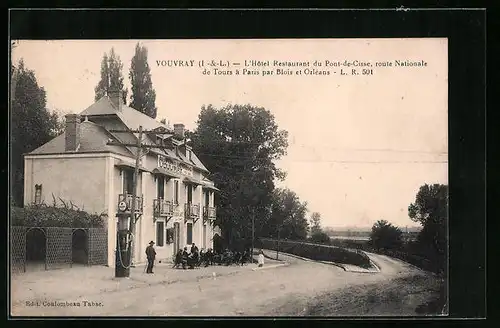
(278, 246)
(122, 268)
(134, 195)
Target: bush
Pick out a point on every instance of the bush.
(349, 243)
(319, 252)
(320, 237)
(52, 216)
(385, 236)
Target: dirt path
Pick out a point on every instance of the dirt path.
(251, 293)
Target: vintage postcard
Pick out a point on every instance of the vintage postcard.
(205, 178)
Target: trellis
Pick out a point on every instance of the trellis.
(58, 246)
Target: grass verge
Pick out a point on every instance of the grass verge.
(418, 295)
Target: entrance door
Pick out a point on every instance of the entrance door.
(205, 236)
(177, 237)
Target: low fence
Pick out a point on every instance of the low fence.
(317, 252)
(54, 247)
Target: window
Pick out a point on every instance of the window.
(38, 194)
(161, 187)
(170, 235)
(176, 192)
(207, 199)
(160, 229)
(189, 233)
(189, 194)
(128, 181)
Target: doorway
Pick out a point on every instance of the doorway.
(79, 247)
(177, 237)
(204, 236)
(36, 249)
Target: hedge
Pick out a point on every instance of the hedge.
(318, 252)
(408, 253)
(52, 216)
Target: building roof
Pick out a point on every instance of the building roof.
(93, 138)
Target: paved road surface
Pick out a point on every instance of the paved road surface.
(246, 292)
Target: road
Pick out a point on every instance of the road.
(286, 290)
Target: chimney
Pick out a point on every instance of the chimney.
(72, 132)
(116, 98)
(179, 131)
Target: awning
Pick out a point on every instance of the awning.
(191, 181)
(209, 186)
(162, 171)
(122, 164)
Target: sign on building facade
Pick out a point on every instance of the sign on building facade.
(173, 167)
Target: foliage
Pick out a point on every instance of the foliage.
(238, 144)
(315, 223)
(32, 124)
(350, 243)
(318, 252)
(54, 216)
(431, 204)
(111, 76)
(385, 236)
(320, 237)
(430, 210)
(143, 95)
(409, 252)
(288, 216)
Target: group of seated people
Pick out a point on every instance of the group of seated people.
(195, 257)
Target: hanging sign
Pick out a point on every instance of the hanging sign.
(122, 206)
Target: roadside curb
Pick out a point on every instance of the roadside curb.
(271, 266)
(403, 262)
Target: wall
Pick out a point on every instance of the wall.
(81, 180)
(146, 227)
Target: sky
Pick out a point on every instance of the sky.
(360, 146)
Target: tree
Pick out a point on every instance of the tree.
(143, 95)
(238, 145)
(385, 236)
(111, 76)
(288, 216)
(430, 209)
(32, 124)
(315, 223)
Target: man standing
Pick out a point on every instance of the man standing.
(151, 255)
(194, 248)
